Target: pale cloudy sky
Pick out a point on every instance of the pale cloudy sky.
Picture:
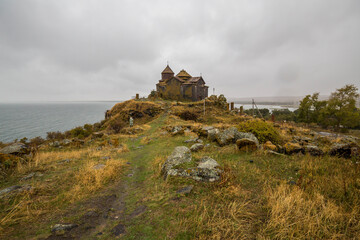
(54, 50)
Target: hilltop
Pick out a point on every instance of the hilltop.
(181, 174)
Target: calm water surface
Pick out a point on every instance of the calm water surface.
(30, 120)
(36, 119)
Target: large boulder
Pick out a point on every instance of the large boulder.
(231, 135)
(15, 148)
(177, 130)
(227, 136)
(179, 156)
(206, 171)
(14, 189)
(204, 130)
(314, 150)
(212, 133)
(246, 144)
(347, 150)
(291, 148)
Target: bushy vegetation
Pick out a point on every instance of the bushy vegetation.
(284, 115)
(116, 125)
(188, 115)
(264, 112)
(55, 136)
(339, 111)
(263, 130)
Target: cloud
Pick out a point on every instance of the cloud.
(110, 50)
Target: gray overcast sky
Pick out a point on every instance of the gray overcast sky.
(112, 49)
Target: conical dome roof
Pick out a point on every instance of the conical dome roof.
(183, 74)
(167, 70)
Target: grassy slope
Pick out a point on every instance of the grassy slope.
(253, 199)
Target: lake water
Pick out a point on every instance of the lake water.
(36, 119)
(270, 107)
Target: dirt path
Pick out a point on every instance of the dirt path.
(107, 215)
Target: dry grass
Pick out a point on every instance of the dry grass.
(61, 184)
(296, 215)
(43, 159)
(88, 179)
(157, 163)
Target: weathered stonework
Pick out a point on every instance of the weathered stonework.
(181, 87)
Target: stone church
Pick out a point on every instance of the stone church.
(181, 87)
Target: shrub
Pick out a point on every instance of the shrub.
(116, 125)
(34, 142)
(262, 130)
(55, 135)
(187, 115)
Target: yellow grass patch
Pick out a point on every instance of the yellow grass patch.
(296, 215)
(89, 179)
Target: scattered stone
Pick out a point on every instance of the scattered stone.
(14, 189)
(177, 130)
(246, 144)
(205, 130)
(130, 175)
(227, 136)
(97, 135)
(66, 142)
(180, 155)
(31, 175)
(269, 146)
(314, 150)
(60, 228)
(208, 163)
(199, 140)
(55, 144)
(118, 229)
(291, 148)
(212, 133)
(191, 140)
(347, 150)
(185, 190)
(207, 145)
(206, 170)
(302, 140)
(274, 153)
(64, 161)
(98, 166)
(196, 147)
(105, 158)
(98, 148)
(15, 148)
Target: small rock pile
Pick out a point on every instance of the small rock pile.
(206, 170)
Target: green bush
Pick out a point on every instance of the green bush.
(262, 130)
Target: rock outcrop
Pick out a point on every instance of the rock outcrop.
(291, 148)
(179, 156)
(347, 150)
(246, 144)
(15, 149)
(206, 170)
